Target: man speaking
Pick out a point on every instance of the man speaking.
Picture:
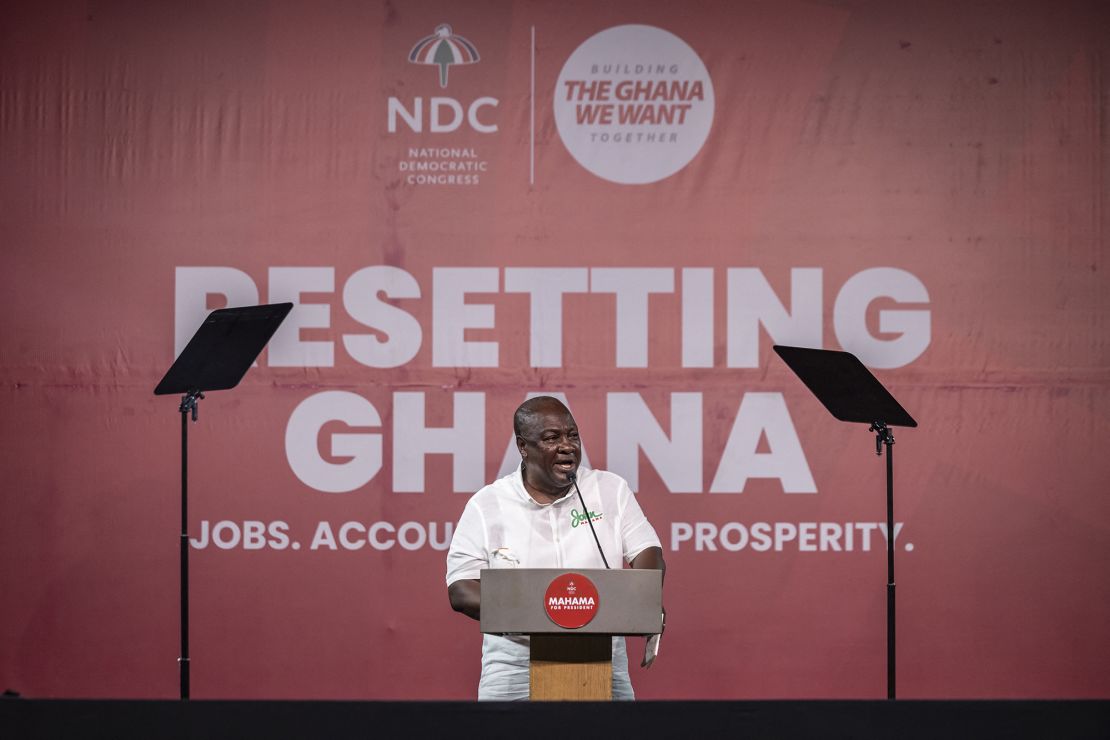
(531, 518)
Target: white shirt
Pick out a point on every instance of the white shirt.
(503, 527)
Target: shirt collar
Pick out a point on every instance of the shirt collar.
(522, 492)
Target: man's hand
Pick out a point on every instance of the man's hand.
(652, 558)
(651, 651)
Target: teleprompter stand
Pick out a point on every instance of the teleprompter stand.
(851, 393)
(216, 358)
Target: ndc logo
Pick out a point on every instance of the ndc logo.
(443, 49)
(442, 114)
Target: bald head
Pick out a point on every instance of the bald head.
(529, 414)
(550, 449)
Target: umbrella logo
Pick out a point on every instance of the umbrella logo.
(443, 49)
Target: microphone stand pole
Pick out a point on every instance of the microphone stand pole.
(574, 479)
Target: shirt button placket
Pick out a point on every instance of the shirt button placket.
(555, 537)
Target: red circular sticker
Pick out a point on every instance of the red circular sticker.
(571, 600)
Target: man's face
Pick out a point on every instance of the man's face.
(551, 449)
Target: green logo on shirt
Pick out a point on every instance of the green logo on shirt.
(576, 518)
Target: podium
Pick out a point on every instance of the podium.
(571, 616)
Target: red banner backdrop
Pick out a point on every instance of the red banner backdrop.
(624, 203)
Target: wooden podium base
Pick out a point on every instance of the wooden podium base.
(571, 668)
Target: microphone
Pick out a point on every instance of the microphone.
(574, 479)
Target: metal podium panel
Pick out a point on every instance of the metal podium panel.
(630, 601)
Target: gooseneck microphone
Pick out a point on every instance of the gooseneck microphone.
(574, 479)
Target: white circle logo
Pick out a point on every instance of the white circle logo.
(634, 104)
